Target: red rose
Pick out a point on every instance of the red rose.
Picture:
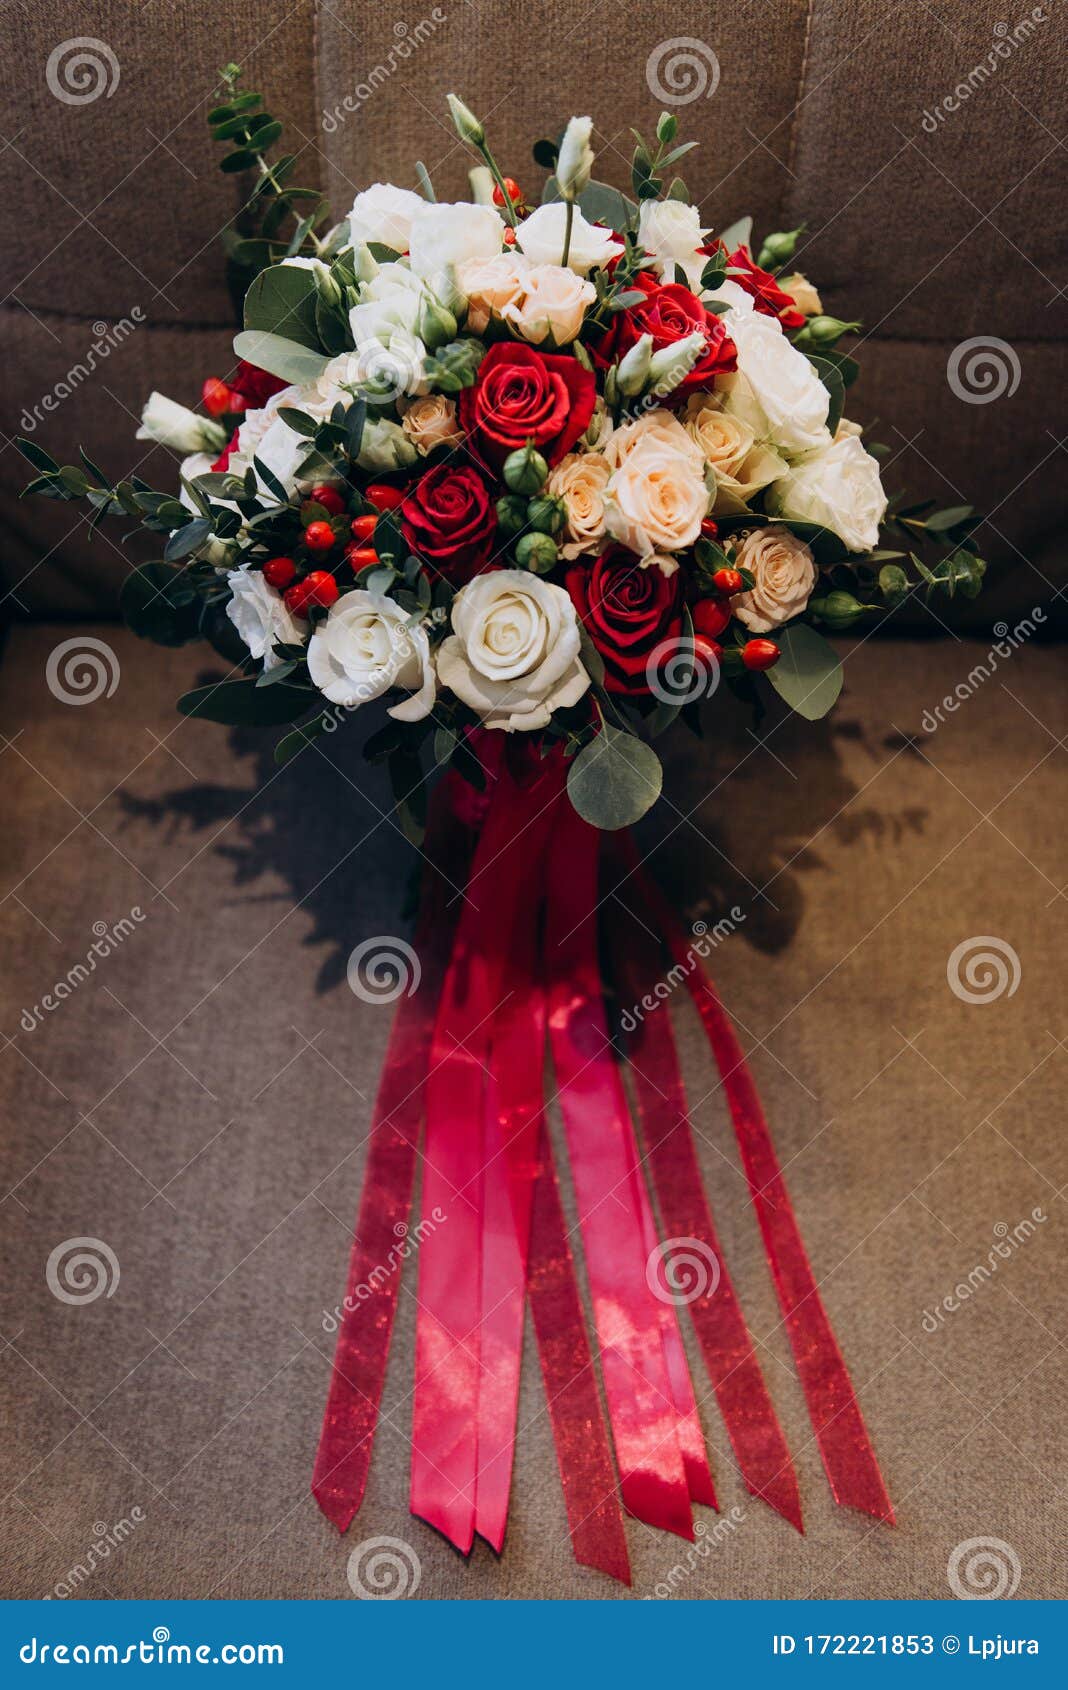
(449, 520)
(670, 314)
(255, 386)
(768, 296)
(521, 394)
(628, 611)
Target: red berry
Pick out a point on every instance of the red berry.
(509, 237)
(512, 189)
(710, 529)
(728, 581)
(711, 616)
(710, 650)
(216, 397)
(382, 497)
(319, 536)
(363, 527)
(360, 557)
(760, 654)
(317, 588)
(279, 572)
(329, 498)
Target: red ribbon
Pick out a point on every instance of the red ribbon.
(843, 1439)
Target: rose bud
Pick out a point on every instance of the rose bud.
(512, 513)
(840, 610)
(511, 188)
(525, 470)
(778, 249)
(546, 515)
(467, 125)
(536, 552)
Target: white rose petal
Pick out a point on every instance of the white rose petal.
(541, 239)
(793, 400)
(838, 488)
(260, 616)
(671, 232)
(442, 236)
(513, 655)
(384, 214)
(366, 646)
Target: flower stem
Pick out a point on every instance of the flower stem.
(568, 219)
(492, 166)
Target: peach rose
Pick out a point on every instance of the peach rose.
(784, 575)
(802, 293)
(490, 284)
(728, 443)
(580, 480)
(431, 421)
(553, 301)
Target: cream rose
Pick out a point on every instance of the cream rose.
(431, 422)
(838, 488)
(384, 214)
(489, 284)
(541, 236)
(671, 232)
(442, 236)
(784, 575)
(553, 302)
(580, 480)
(513, 655)
(802, 293)
(793, 400)
(742, 465)
(656, 494)
(260, 616)
(367, 645)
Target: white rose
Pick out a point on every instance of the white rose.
(553, 301)
(368, 645)
(513, 655)
(838, 488)
(783, 578)
(444, 235)
(671, 232)
(580, 480)
(384, 214)
(176, 426)
(431, 421)
(260, 616)
(656, 499)
(489, 284)
(541, 238)
(741, 463)
(790, 394)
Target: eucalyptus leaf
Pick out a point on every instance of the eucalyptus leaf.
(242, 704)
(286, 359)
(614, 779)
(281, 301)
(737, 234)
(808, 675)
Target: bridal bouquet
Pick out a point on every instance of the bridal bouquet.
(540, 478)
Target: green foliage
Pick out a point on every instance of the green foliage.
(614, 779)
(808, 675)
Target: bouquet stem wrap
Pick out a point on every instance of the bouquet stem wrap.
(511, 972)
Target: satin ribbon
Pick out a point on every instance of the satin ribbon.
(663, 1117)
(470, 1269)
(841, 1434)
(362, 1350)
(658, 1441)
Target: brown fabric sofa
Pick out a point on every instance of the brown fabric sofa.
(200, 1102)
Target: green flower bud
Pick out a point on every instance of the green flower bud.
(512, 513)
(778, 249)
(525, 470)
(546, 515)
(824, 331)
(437, 325)
(536, 552)
(633, 369)
(840, 610)
(467, 125)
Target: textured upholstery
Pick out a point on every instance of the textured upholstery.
(818, 115)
